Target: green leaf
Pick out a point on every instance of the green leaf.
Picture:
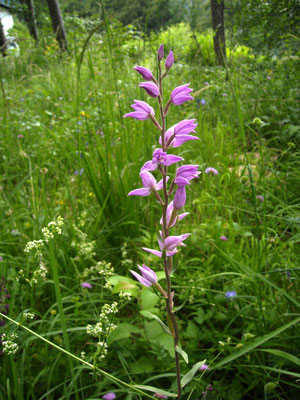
(123, 284)
(155, 390)
(148, 299)
(123, 331)
(283, 354)
(190, 375)
(182, 353)
(257, 342)
(148, 314)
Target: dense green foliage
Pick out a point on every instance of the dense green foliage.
(66, 150)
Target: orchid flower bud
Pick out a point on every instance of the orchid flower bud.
(145, 72)
(170, 60)
(151, 88)
(148, 277)
(160, 53)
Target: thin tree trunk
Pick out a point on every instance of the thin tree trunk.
(29, 15)
(3, 43)
(217, 13)
(57, 23)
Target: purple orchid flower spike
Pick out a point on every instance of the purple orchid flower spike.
(169, 60)
(181, 94)
(149, 183)
(170, 215)
(170, 245)
(142, 111)
(151, 88)
(160, 157)
(148, 277)
(180, 133)
(145, 72)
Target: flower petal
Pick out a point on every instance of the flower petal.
(142, 280)
(155, 252)
(140, 192)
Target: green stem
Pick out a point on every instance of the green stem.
(104, 373)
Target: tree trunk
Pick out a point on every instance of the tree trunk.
(57, 23)
(29, 15)
(3, 44)
(217, 14)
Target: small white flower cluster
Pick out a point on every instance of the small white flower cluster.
(102, 268)
(105, 269)
(41, 271)
(36, 245)
(103, 349)
(28, 316)
(95, 330)
(8, 344)
(53, 228)
(108, 309)
(125, 295)
(108, 285)
(47, 234)
(104, 326)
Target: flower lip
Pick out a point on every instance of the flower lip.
(149, 183)
(160, 157)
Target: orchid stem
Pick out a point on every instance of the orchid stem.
(168, 261)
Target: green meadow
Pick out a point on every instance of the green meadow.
(66, 150)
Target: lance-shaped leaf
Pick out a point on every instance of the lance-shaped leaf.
(182, 353)
(190, 375)
(155, 390)
(148, 314)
